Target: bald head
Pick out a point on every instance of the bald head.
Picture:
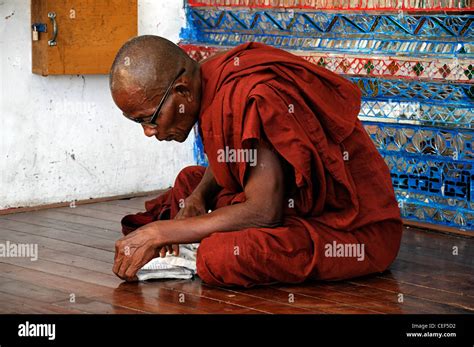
(149, 71)
(144, 67)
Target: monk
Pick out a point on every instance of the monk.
(296, 188)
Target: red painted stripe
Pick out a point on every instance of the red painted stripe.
(382, 5)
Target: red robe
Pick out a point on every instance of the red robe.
(339, 190)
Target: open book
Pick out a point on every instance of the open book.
(182, 266)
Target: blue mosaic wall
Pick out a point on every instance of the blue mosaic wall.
(415, 71)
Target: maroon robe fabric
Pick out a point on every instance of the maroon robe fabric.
(339, 190)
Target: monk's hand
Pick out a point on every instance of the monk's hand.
(194, 205)
(170, 249)
(135, 250)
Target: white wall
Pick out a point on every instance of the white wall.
(61, 137)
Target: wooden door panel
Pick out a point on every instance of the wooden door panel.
(89, 34)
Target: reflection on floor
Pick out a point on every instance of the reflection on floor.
(76, 250)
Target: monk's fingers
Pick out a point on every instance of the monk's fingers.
(142, 256)
(197, 211)
(202, 210)
(118, 249)
(163, 252)
(133, 278)
(116, 267)
(117, 263)
(116, 256)
(189, 211)
(125, 255)
(122, 268)
(179, 215)
(130, 273)
(127, 270)
(119, 254)
(157, 253)
(130, 266)
(175, 250)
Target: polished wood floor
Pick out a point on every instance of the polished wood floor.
(73, 274)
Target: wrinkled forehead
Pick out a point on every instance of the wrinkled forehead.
(129, 91)
(129, 98)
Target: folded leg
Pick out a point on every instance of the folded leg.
(167, 205)
(294, 253)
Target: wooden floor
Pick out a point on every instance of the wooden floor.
(76, 255)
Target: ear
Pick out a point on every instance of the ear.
(182, 89)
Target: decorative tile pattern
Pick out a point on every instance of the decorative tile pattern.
(427, 210)
(417, 113)
(382, 46)
(432, 171)
(432, 93)
(455, 70)
(300, 23)
(415, 71)
(412, 140)
(433, 186)
(445, 179)
(416, 35)
(389, 110)
(200, 52)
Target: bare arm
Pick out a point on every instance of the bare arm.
(264, 192)
(263, 206)
(208, 186)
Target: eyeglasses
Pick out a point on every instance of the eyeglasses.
(151, 122)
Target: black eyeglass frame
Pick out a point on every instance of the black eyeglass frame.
(155, 115)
